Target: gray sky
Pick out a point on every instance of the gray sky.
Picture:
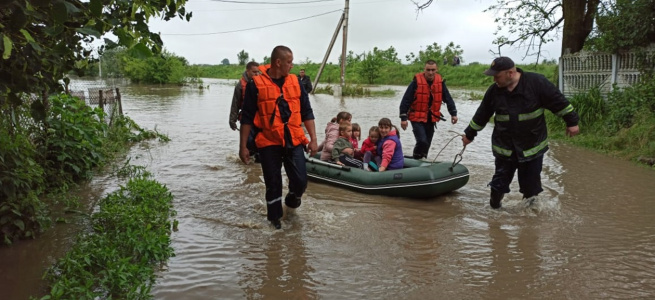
(372, 23)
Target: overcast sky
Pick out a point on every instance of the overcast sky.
(372, 23)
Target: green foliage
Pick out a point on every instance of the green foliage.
(243, 57)
(73, 139)
(21, 179)
(623, 124)
(369, 68)
(130, 237)
(435, 52)
(41, 157)
(159, 69)
(225, 62)
(355, 90)
(463, 76)
(44, 40)
(624, 25)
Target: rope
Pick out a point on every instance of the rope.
(458, 155)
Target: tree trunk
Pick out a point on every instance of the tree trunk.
(578, 22)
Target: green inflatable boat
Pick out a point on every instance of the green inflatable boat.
(418, 179)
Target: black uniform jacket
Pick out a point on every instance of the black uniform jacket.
(520, 125)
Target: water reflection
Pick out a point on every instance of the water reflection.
(279, 268)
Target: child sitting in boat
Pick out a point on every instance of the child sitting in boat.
(368, 149)
(343, 151)
(332, 133)
(357, 134)
(389, 146)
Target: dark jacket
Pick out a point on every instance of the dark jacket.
(409, 98)
(520, 125)
(306, 83)
(237, 101)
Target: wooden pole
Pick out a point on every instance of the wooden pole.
(120, 102)
(344, 46)
(327, 53)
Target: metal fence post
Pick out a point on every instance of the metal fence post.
(615, 71)
(101, 103)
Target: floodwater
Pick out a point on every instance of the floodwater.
(592, 235)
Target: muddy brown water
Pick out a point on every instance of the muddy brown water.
(592, 235)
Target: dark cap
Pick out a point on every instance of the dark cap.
(499, 64)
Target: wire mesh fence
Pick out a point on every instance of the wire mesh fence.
(25, 117)
(96, 95)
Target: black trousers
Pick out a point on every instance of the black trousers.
(529, 174)
(423, 133)
(272, 159)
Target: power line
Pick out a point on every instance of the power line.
(259, 27)
(286, 8)
(247, 2)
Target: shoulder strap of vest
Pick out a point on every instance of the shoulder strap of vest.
(420, 78)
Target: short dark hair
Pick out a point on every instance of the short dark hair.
(302, 70)
(279, 52)
(430, 62)
(252, 64)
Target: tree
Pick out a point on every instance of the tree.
(41, 40)
(435, 52)
(533, 23)
(161, 68)
(369, 67)
(267, 60)
(243, 57)
(225, 62)
(624, 25)
(389, 56)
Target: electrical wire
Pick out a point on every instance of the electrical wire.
(247, 2)
(285, 8)
(253, 28)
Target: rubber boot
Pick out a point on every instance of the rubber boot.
(277, 224)
(292, 201)
(496, 197)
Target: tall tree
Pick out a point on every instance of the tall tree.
(42, 40)
(624, 25)
(243, 57)
(530, 24)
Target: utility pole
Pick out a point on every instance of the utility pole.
(327, 53)
(343, 21)
(344, 46)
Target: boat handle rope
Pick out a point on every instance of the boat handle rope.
(458, 155)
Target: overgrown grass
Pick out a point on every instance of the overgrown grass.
(621, 125)
(354, 90)
(129, 237)
(463, 76)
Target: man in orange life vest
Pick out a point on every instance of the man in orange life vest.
(252, 69)
(277, 105)
(421, 104)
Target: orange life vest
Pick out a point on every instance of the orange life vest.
(268, 93)
(243, 89)
(243, 96)
(418, 112)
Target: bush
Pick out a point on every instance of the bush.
(73, 140)
(623, 124)
(131, 235)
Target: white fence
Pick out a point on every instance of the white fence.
(582, 71)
